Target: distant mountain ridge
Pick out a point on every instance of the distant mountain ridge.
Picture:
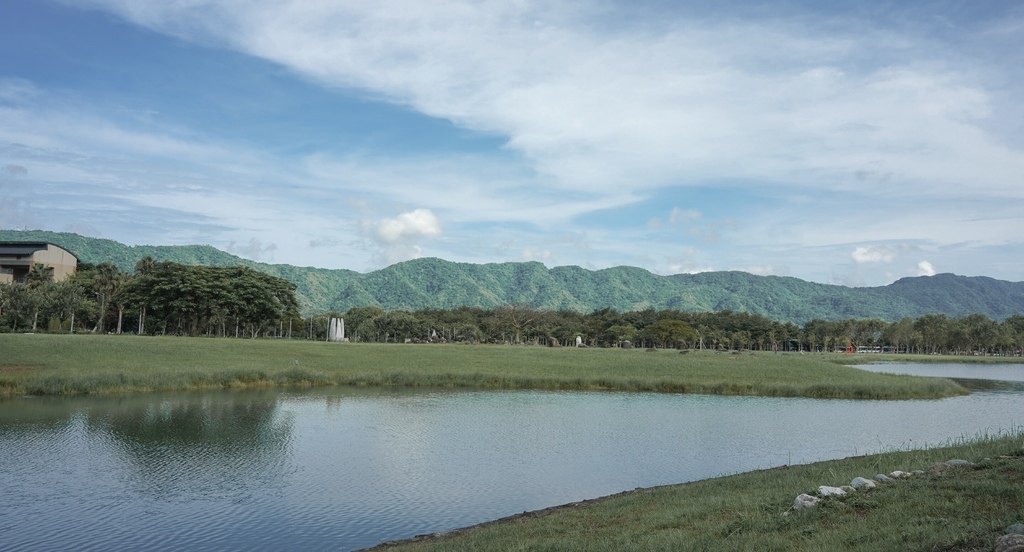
(440, 284)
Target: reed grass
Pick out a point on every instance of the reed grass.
(962, 509)
(47, 364)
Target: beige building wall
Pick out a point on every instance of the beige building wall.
(17, 259)
(62, 261)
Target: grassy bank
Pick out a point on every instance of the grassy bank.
(963, 509)
(853, 359)
(80, 364)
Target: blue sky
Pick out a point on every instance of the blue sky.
(853, 145)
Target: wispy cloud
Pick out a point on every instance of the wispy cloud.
(598, 108)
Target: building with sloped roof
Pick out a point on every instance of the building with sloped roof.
(18, 258)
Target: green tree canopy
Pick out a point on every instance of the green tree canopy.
(668, 331)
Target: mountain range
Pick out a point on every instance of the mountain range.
(440, 284)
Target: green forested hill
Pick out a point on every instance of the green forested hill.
(436, 283)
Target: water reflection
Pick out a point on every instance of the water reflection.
(82, 472)
(179, 443)
(991, 386)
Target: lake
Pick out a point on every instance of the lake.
(347, 468)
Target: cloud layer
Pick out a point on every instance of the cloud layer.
(597, 107)
(841, 146)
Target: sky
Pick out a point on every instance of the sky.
(850, 144)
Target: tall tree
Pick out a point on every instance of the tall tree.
(934, 330)
(104, 281)
(1015, 329)
(18, 302)
(64, 300)
(37, 278)
(517, 318)
(899, 334)
(142, 269)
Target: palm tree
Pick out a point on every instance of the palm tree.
(105, 284)
(120, 279)
(143, 268)
(38, 275)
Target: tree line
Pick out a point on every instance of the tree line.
(723, 330)
(158, 298)
(168, 298)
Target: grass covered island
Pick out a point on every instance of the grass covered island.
(52, 364)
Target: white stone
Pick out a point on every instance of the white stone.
(825, 490)
(862, 483)
(805, 501)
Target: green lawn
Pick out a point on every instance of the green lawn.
(75, 364)
(962, 509)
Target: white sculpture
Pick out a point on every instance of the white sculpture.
(336, 331)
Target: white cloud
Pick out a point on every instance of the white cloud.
(396, 253)
(411, 225)
(873, 255)
(925, 268)
(254, 250)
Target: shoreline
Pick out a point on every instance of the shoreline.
(533, 514)
(1000, 455)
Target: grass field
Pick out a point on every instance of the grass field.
(80, 364)
(962, 509)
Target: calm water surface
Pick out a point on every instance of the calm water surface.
(339, 469)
